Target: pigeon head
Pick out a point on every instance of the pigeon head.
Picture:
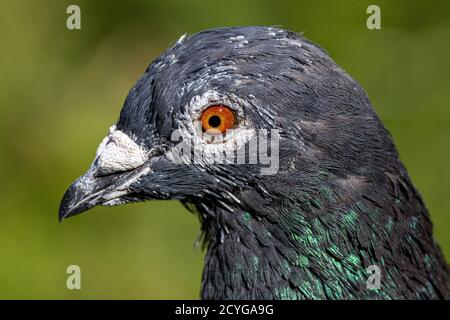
(296, 182)
(284, 95)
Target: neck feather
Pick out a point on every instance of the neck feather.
(328, 245)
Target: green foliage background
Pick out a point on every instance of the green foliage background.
(60, 91)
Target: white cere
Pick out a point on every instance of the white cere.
(119, 152)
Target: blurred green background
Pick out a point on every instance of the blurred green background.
(60, 90)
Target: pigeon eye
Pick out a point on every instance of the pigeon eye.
(218, 117)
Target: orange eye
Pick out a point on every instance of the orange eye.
(218, 117)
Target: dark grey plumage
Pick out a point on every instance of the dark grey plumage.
(340, 202)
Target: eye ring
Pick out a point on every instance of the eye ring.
(218, 118)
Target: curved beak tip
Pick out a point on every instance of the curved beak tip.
(72, 203)
(89, 191)
(65, 207)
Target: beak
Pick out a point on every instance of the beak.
(91, 190)
(119, 162)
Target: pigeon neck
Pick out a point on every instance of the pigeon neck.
(253, 256)
(326, 247)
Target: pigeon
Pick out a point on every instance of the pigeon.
(298, 186)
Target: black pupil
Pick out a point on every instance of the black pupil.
(214, 121)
